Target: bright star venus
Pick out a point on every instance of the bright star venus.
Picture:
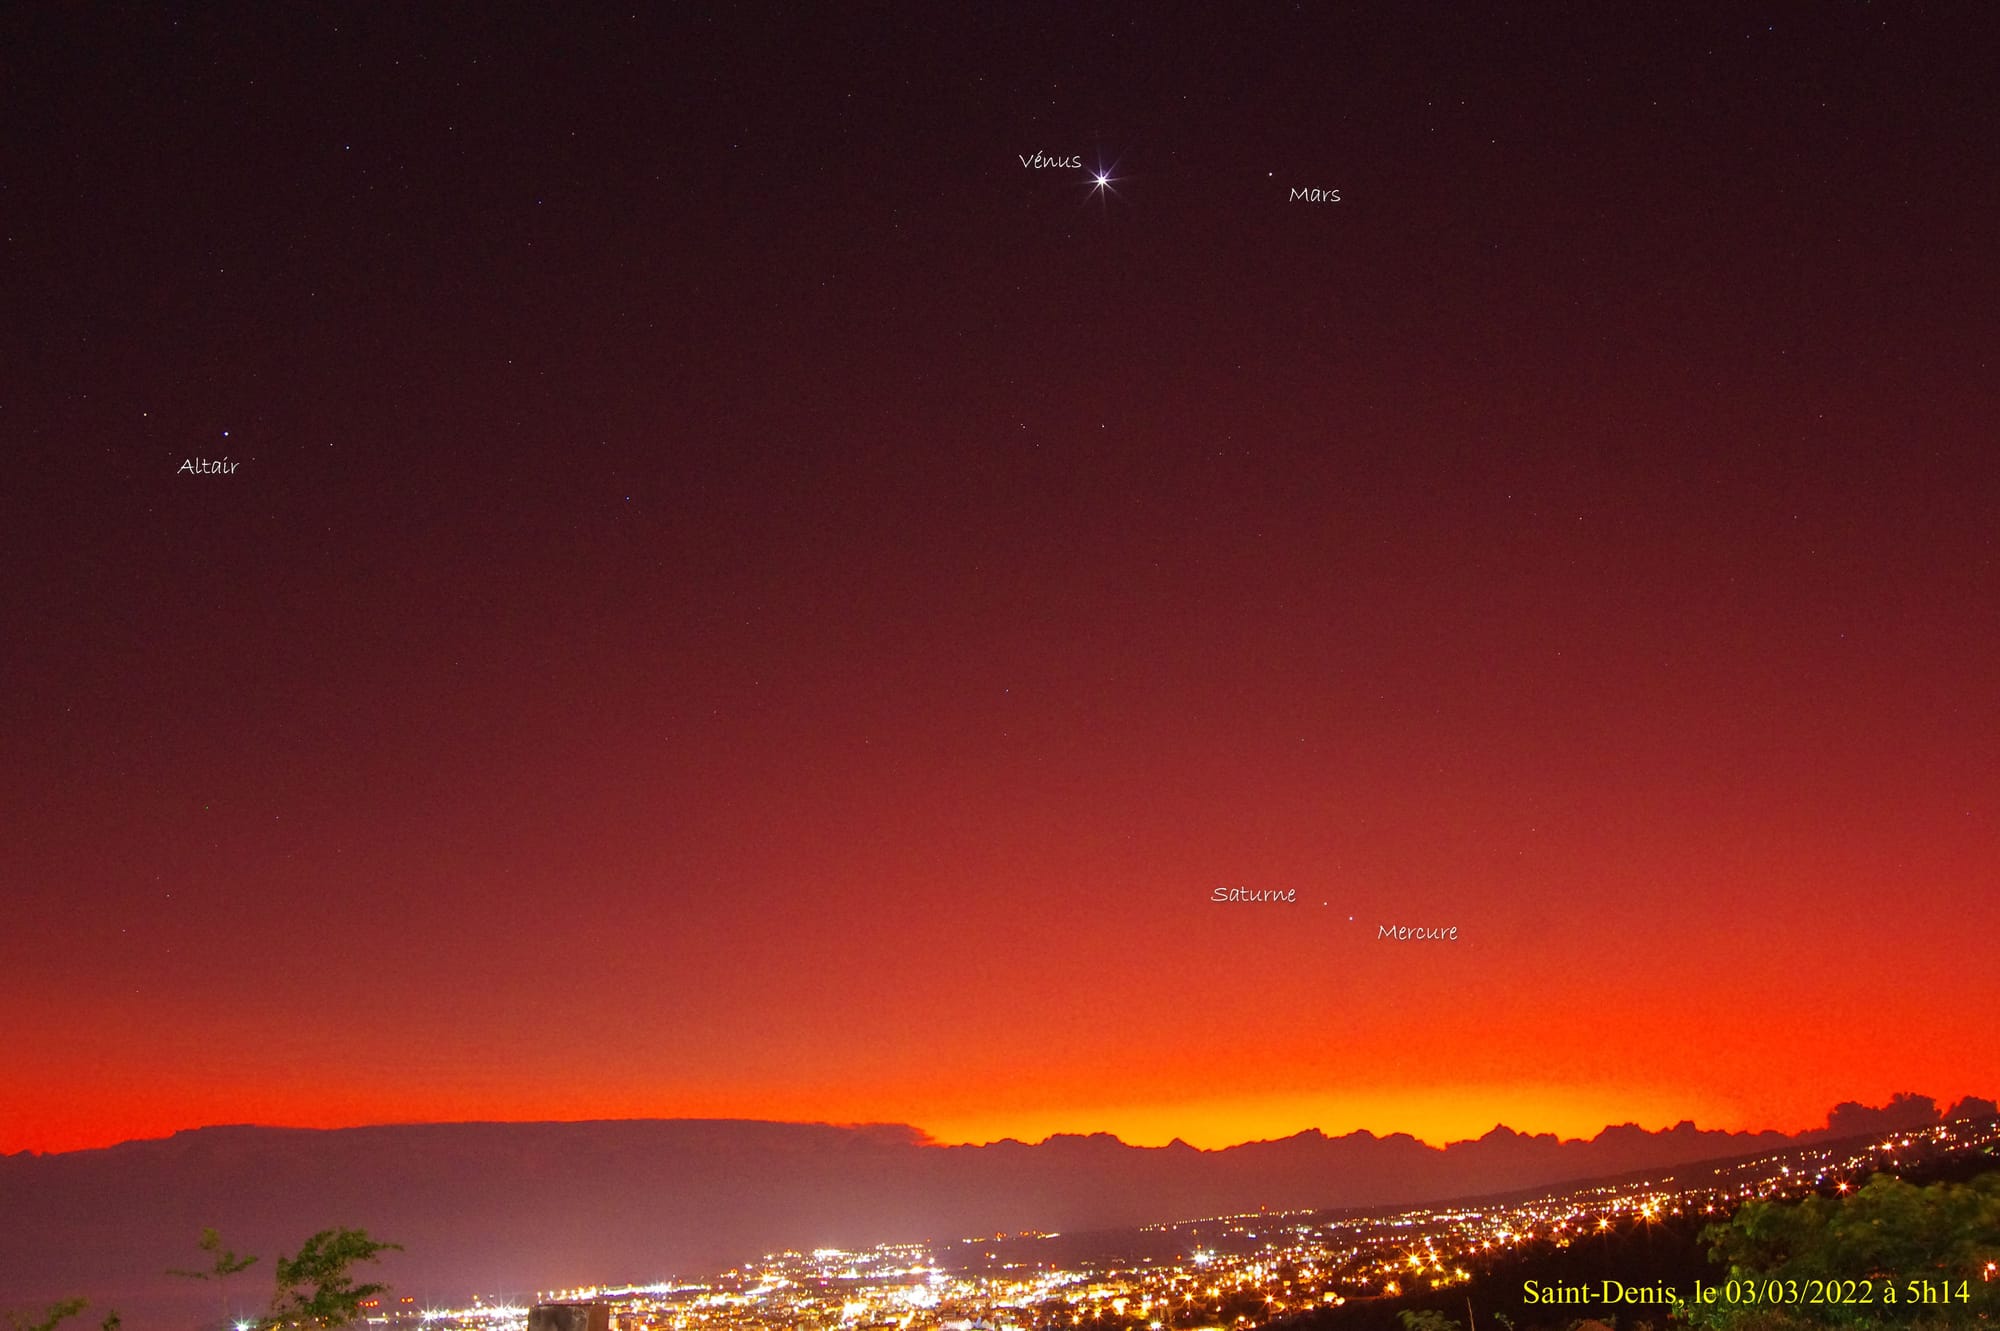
(1103, 181)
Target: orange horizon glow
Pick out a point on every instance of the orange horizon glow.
(1437, 1118)
(1307, 1022)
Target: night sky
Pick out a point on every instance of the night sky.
(736, 597)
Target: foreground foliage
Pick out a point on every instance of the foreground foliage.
(315, 1287)
(56, 1314)
(1924, 1255)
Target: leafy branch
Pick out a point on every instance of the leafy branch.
(58, 1313)
(316, 1288)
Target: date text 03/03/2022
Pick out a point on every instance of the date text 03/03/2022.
(1747, 1293)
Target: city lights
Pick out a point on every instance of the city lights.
(1204, 1275)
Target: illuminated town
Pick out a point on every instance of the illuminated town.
(1220, 1272)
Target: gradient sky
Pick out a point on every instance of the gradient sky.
(740, 599)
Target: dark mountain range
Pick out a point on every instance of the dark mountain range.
(510, 1207)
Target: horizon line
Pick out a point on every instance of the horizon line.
(924, 1137)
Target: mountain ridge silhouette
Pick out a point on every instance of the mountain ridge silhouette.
(512, 1207)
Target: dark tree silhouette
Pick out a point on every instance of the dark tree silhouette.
(56, 1314)
(1923, 1251)
(316, 1288)
(1426, 1319)
(224, 1264)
